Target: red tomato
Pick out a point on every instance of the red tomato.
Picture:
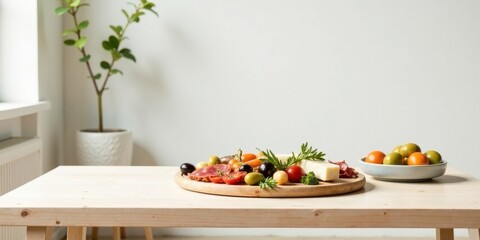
(234, 177)
(294, 173)
(216, 179)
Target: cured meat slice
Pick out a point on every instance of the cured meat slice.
(345, 170)
(203, 174)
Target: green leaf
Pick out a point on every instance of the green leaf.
(105, 65)
(115, 71)
(69, 42)
(61, 10)
(152, 11)
(125, 13)
(83, 25)
(75, 3)
(116, 55)
(113, 41)
(127, 54)
(136, 16)
(68, 32)
(83, 5)
(97, 76)
(85, 59)
(80, 43)
(117, 29)
(106, 45)
(144, 1)
(149, 5)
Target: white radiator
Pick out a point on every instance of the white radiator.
(20, 162)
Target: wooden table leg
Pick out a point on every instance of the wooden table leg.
(445, 234)
(148, 233)
(94, 233)
(474, 233)
(37, 233)
(48, 233)
(116, 233)
(123, 232)
(76, 233)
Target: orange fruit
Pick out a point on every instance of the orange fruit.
(417, 158)
(375, 157)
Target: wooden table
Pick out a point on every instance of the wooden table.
(82, 196)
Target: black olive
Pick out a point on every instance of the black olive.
(186, 168)
(267, 169)
(245, 168)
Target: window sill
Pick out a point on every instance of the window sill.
(9, 110)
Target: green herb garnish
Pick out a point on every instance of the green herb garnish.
(309, 179)
(305, 153)
(268, 182)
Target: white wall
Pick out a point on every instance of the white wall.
(346, 76)
(18, 51)
(50, 82)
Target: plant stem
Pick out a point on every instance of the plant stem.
(98, 91)
(100, 112)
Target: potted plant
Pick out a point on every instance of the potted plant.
(103, 146)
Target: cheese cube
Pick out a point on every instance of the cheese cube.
(323, 170)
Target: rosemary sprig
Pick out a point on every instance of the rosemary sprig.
(267, 183)
(307, 152)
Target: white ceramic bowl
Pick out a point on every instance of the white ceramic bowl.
(403, 173)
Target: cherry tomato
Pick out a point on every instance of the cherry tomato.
(234, 177)
(232, 161)
(294, 173)
(236, 166)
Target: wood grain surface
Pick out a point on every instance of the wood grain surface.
(140, 196)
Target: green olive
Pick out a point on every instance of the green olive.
(253, 178)
(433, 157)
(213, 160)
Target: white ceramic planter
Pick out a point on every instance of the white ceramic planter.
(113, 147)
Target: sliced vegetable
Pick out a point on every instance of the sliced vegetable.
(248, 156)
(234, 178)
(254, 163)
(216, 179)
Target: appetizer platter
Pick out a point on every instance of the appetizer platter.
(305, 174)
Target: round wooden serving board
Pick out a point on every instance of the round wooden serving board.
(340, 186)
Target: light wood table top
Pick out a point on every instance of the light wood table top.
(137, 196)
